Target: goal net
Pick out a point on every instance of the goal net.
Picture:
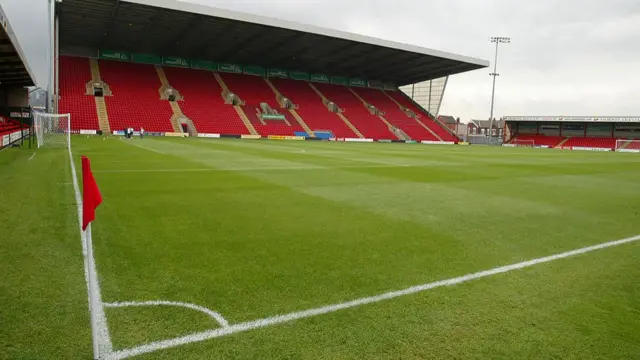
(52, 130)
(628, 145)
(523, 143)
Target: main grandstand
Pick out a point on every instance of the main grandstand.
(604, 133)
(176, 68)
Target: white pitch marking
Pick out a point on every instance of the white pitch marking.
(279, 319)
(143, 147)
(32, 156)
(104, 339)
(376, 162)
(215, 315)
(246, 169)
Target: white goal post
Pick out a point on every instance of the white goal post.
(623, 145)
(523, 143)
(52, 130)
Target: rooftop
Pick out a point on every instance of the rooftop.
(191, 31)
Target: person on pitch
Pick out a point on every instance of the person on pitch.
(141, 133)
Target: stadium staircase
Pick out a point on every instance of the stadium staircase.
(368, 124)
(350, 125)
(238, 108)
(422, 116)
(312, 107)
(101, 105)
(203, 104)
(336, 110)
(444, 127)
(178, 116)
(424, 126)
(75, 72)
(166, 89)
(135, 102)
(415, 116)
(403, 109)
(281, 101)
(559, 146)
(375, 111)
(396, 116)
(260, 99)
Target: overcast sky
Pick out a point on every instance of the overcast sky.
(567, 57)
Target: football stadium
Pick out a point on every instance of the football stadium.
(209, 184)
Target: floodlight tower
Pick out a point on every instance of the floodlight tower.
(497, 40)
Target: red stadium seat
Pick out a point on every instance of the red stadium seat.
(203, 102)
(602, 143)
(136, 100)
(254, 90)
(394, 114)
(370, 126)
(425, 118)
(74, 75)
(314, 113)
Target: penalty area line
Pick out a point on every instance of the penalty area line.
(279, 319)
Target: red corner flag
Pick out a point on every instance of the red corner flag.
(91, 197)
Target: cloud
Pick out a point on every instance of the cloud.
(571, 57)
(28, 20)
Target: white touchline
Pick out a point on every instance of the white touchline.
(104, 339)
(215, 315)
(131, 142)
(260, 323)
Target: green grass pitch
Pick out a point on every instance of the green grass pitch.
(254, 229)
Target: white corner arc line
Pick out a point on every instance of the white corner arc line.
(279, 319)
(215, 315)
(104, 339)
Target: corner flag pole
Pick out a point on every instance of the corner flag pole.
(91, 198)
